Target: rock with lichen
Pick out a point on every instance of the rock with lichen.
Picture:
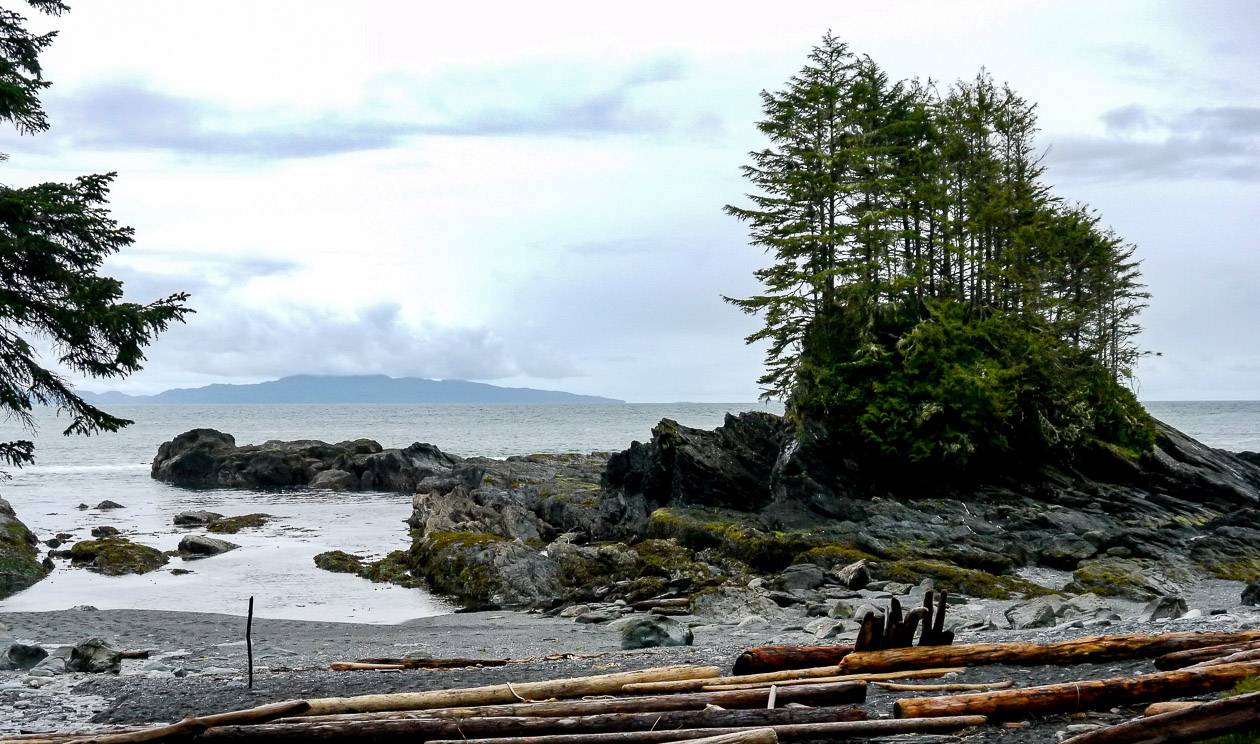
(20, 566)
(116, 556)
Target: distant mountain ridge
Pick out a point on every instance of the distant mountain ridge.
(298, 389)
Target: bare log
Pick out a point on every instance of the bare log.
(790, 732)
(603, 684)
(1190, 657)
(834, 693)
(1169, 706)
(1249, 655)
(370, 664)
(695, 684)
(426, 728)
(1217, 718)
(1077, 651)
(649, 604)
(949, 687)
(907, 674)
(779, 658)
(1072, 697)
(190, 727)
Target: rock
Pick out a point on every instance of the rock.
(1066, 552)
(94, 656)
(574, 611)
(843, 609)
(731, 604)
(1084, 605)
(897, 588)
(824, 628)
(53, 542)
(586, 568)
(597, 616)
(199, 518)
(335, 480)
(339, 561)
(854, 576)
(1163, 607)
(22, 656)
(233, 525)
(107, 505)
(480, 568)
(115, 556)
(481, 510)
(653, 631)
(180, 572)
(83, 507)
(1119, 577)
(800, 577)
(20, 566)
(787, 599)
(753, 621)
(199, 546)
(104, 531)
(1250, 594)
(1193, 614)
(1035, 613)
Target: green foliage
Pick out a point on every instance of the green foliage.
(54, 238)
(926, 288)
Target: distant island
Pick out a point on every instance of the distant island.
(298, 389)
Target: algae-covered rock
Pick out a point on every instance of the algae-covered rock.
(233, 525)
(734, 535)
(392, 569)
(956, 580)
(1120, 577)
(20, 566)
(484, 569)
(339, 561)
(115, 556)
(585, 568)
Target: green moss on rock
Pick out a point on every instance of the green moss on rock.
(19, 559)
(339, 561)
(951, 578)
(835, 554)
(233, 525)
(392, 569)
(116, 556)
(1112, 577)
(734, 538)
(445, 560)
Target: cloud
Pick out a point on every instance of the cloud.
(1139, 143)
(123, 115)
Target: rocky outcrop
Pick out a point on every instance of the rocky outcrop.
(482, 569)
(208, 458)
(20, 566)
(115, 556)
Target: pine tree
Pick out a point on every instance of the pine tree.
(53, 240)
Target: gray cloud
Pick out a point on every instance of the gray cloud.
(130, 115)
(1208, 142)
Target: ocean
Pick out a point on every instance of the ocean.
(274, 563)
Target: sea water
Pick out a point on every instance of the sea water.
(274, 563)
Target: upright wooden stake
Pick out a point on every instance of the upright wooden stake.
(249, 641)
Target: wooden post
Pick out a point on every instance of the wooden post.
(249, 641)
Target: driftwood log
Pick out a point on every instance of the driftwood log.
(1229, 716)
(1190, 657)
(1072, 697)
(1169, 706)
(1077, 651)
(843, 730)
(954, 687)
(603, 684)
(763, 659)
(412, 729)
(1234, 658)
(190, 727)
(908, 674)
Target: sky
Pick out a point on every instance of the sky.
(531, 193)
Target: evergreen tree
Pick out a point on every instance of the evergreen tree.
(53, 240)
(927, 289)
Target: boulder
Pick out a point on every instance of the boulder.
(1120, 577)
(482, 569)
(1163, 607)
(1251, 594)
(334, 480)
(653, 631)
(800, 577)
(115, 556)
(1066, 551)
(731, 605)
(339, 561)
(195, 518)
(853, 576)
(199, 546)
(233, 525)
(20, 566)
(108, 505)
(1035, 613)
(104, 531)
(22, 656)
(824, 628)
(94, 656)
(1084, 605)
(482, 510)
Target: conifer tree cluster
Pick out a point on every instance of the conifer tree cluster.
(928, 294)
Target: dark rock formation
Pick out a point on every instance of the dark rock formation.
(20, 566)
(192, 547)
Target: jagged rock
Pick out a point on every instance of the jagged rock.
(1120, 577)
(854, 576)
(481, 569)
(1035, 613)
(801, 576)
(1066, 551)
(1084, 605)
(108, 505)
(481, 510)
(731, 604)
(22, 656)
(104, 531)
(1163, 607)
(95, 656)
(1251, 594)
(195, 518)
(334, 480)
(653, 631)
(199, 546)
(824, 628)
(20, 566)
(588, 567)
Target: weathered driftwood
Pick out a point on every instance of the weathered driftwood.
(948, 687)
(666, 687)
(394, 664)
(1197, 723)
(896, 630)
(1072, 697)
(1190, 657)
(652, 604)
(763, 659)
(1077, 651)
(603, 684)
(790, 732)
(190, 727)
(834, 693)
(907, 674)
(411, 729)
(1234, 658)
(1169, 706)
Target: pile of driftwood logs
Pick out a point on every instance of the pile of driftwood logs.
(796, 693)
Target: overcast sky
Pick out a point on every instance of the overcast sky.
(531, 193)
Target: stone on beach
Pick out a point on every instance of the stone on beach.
(653, 631)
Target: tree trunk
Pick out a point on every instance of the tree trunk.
(1078, 651)
(778, 658)
(840, 731)
(1220, 717)
(604, 684)
(411, 730)
(1072, 697)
